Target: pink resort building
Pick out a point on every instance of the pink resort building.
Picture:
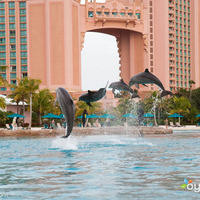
(43, 39)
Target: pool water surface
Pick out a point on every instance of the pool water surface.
(100, 167)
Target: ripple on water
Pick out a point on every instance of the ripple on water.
(99, 167)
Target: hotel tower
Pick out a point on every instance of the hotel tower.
(43, 39)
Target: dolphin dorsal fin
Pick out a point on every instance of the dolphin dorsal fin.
(146, 70)
(89, 91)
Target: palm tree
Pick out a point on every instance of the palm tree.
(19, 94)
(43, 102)
(2, 103)
(30, 85)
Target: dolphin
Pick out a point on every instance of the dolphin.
(146, 77)
(67, 106)
(122, 86)
(92, 96)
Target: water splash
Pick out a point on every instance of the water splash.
(69, 143)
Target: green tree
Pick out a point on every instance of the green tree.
(43, 101)
(30, 85)
(19, 94)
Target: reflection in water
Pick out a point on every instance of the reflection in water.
(101, 167)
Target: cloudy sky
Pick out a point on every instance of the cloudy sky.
(99, 60)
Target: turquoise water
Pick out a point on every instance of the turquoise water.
(100, 167)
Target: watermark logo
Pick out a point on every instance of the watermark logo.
(191, 186)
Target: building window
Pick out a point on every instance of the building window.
(13, 75)
(2, 26)
(22, 33)
(11, 12)
(2, 5)
(12, 47)
(22, 26)
(11, 19)
(24, 68)
(13, 68)
(13, 61)
(13, 54)
(2, 19)
(12, 26)
(90, 13)
(2, 12)
(2, 48)
(23, 54)
(3, 62)
(23, 40)
(3, 89)
(3, 55)
(23, 47)
(22, 12)
(23, 61)
(11, 4)
(12, 40)
(13, 82)
(22, 19)
(12, 33)
(2, 40)
(22, 4)
(138, 15)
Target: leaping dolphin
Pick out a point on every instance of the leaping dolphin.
(122, 86)
(92, 96)
(67, 106)
(148, 78)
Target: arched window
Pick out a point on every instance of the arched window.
(114, 12)
(90, 12)
(98, 11)
(107, 12)
(122, 12)
(130, 12)
(137, 13)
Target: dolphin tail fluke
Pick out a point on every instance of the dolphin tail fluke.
(165, 93)
(89, 104)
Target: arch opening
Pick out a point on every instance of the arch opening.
(99, 61)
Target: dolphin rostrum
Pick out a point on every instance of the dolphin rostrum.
(92, 96)
(67, 106)
(146, 77)
(122, 86)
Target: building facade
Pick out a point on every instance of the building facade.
(43, 39)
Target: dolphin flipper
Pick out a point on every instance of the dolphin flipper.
(137, 85)
(89, 104)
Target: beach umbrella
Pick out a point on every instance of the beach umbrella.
(148, 115)
(80, 117)
(107, 116)
(197, 115)
(129, 115)
(176, 115)
(16, 115)
(50, 115)
(92, 116)
(61, 116)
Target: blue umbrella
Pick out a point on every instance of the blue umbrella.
(148, 115)
(50, 115)
(80, 117)
(175, 115)
(92, 116)
(106, 116)
(129, 115)
(16, 115)
(197, 115)
(62, 116)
